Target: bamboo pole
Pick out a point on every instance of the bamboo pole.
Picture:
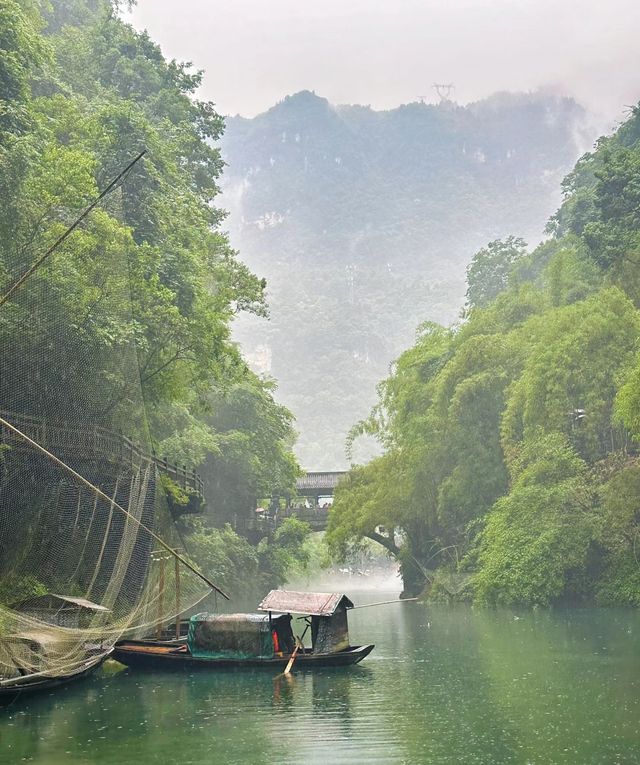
(30, 271)
(383, 603)
(160, 598)
(299, 645)
(177, 583)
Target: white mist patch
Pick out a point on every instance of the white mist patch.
(347, 583)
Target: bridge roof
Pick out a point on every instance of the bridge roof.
(328, 480)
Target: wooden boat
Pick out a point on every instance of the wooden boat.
(21, 686)
(146, 654)
(39, 657)
(255, 639)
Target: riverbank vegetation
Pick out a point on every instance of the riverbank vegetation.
(81, 94)
(511, 461)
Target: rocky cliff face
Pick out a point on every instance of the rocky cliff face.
(363, 223)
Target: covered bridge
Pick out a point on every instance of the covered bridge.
(318, 486)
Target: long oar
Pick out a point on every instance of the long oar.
(299, 645)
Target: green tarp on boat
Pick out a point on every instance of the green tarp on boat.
(235, 636)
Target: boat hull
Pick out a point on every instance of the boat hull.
(10, 693)
(145, 654)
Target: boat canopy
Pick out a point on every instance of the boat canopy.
(51, 601)
(60, 610)
(236, 636)
(310, 603)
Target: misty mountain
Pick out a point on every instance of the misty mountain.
(363, 223)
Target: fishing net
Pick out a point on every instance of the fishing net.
(82, 511)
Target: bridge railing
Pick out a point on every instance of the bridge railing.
(59, 437)
(308, 514)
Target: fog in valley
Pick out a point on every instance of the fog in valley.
(363, 217)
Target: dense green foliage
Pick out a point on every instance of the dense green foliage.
(378, 213)
(511, 439)
(245, 569)
(488, 273)
(81, 94)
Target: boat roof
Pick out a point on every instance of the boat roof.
(50, 599)
(312, 603)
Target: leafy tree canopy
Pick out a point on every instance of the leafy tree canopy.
(511, 440)
(147, 287)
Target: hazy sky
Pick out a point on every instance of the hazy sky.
(387, 52)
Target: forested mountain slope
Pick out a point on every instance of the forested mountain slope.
(81, 94)
(363, 221)
(511, 441)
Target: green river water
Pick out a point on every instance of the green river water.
(443, 685)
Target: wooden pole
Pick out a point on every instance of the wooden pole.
(287, 669)
(383, 603)
(160, 598)
(177, 569)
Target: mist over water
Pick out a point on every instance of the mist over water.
(372, 193)
(358, 581)
(443, 685)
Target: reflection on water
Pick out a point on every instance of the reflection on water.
(444, 685)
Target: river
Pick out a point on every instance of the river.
(443, 685)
